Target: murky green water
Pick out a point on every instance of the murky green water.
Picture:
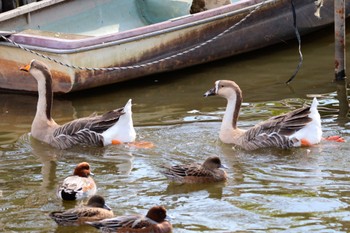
(267, 191)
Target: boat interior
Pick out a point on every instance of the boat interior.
(94, 18)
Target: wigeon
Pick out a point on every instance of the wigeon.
(192, 173)
(95, 210)
(155, 222)
(78, 186)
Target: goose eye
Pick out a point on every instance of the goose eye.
(221, 85)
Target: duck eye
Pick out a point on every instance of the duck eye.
(221, 85)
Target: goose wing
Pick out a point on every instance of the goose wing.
(85, 130)
(276, 130)
(94, 122)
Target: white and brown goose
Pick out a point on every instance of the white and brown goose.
(113, 127)
(300, 127)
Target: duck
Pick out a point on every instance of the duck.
(192, 173)
(113, 127)
(95, 210)
(300, 127)
(154, 221)
(78, 186)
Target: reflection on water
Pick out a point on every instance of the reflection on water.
(299, 190)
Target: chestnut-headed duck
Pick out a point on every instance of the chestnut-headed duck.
(95, 210)
(207, 172)
(113, 127)
(155, 221)
(300, 127)
(78, 186)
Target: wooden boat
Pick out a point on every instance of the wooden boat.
(126, 39)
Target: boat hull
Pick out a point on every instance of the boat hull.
(166, 46)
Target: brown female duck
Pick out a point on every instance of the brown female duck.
(155, 221)
(95, 210)
(207, 172)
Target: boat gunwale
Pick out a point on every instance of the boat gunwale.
(27, 9)
(66, 46)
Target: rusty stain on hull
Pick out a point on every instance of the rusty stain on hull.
(11, 77)
(255, 32)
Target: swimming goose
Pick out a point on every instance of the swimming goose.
(95, 210)
(207, 172)
(300, 127)
(79, 185)
(155, 221)
(113, 127)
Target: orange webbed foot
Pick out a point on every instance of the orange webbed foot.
(305, 142)
(141, 144)
(335, 138)
(116, 142)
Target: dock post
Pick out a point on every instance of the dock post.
(339, 27)
(340, 58)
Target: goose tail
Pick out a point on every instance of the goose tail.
(312, 133)
(123, 130)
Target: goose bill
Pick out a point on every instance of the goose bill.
(210, 92)
(25, 68)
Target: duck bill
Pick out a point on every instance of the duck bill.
(168, 218)
(223, 166)
(210, 92)
(25, 68)
(105, 206)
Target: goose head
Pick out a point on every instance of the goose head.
(42, 75)
(229, 90)
(38, 70)
(225, 88)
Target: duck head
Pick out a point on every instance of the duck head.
(83, 170)
(213, 162)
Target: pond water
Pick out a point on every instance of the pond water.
(299, 190)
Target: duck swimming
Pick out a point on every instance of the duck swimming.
(95, 210)
(155, 221)
(207, 172)
(113, 127)
(300, 127)
(79, 185)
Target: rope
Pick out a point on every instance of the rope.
(299, 42)
(143, 64)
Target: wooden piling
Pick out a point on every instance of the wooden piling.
(340, 58)
(339, 26)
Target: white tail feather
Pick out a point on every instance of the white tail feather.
(312, 132)
(123, 130)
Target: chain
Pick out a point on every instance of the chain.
(143, 64)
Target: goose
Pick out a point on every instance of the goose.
(113, 127)
(192, 173)
(95, 210)
(300, 127)
(154, 221)
(79, 185)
